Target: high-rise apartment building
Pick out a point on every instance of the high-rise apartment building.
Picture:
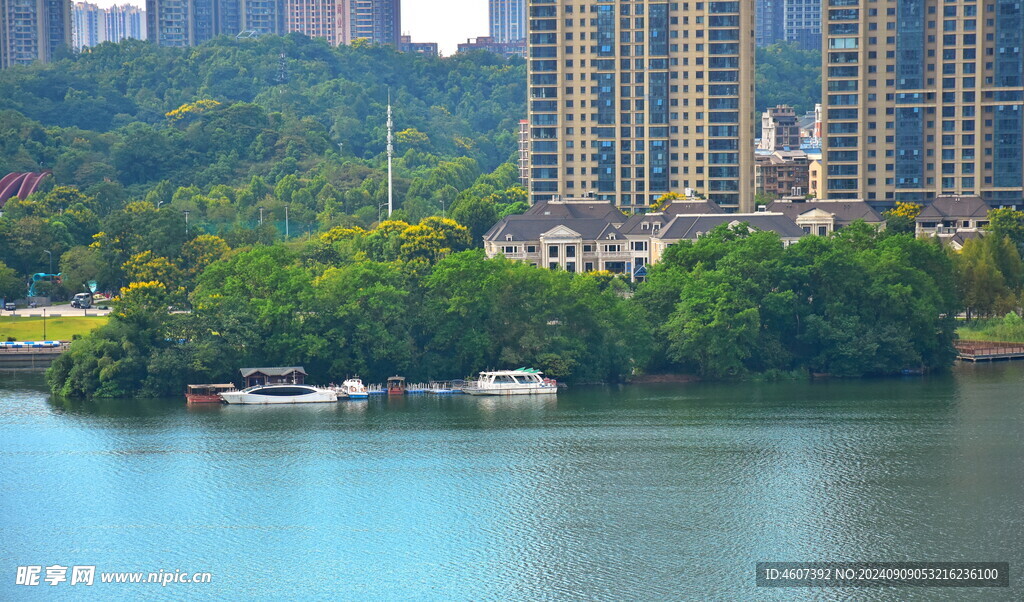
(315, 18)
(261, 16)
(924, 98)
(33, 30)
(633, 99)
(92, 25)
(123, 22)
(769, 27)
(801, 23)
(797, 21)
(170, 22)
(378, 21)
(189, 22)
(87, 25)
(508, 20)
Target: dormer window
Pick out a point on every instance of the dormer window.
(611, 237)
(508, 237)
(645, 226)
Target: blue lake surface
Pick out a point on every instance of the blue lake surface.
(656, 492)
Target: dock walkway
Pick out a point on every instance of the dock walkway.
(988, 351)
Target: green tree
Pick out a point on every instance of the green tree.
(11, 287)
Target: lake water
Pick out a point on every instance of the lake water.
(645, 493)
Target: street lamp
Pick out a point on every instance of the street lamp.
(51, 260)
(186, 212)
(286, 222)
(44, 323)
(261, 216)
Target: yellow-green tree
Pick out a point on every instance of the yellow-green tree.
(665, 200)
(900, 219)
(201, 251)
(147, 267)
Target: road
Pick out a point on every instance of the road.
(55, 311)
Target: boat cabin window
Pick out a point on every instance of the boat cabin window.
(282, 391)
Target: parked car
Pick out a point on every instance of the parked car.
(82, 301)
(10, 306)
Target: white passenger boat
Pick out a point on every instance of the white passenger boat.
(355, 388)
(524, 381)
(279, 393)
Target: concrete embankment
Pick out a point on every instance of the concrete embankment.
(29, 359)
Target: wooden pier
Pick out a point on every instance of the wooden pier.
(988, 351)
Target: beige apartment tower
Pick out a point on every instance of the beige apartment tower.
(629, 100)
(923, 98)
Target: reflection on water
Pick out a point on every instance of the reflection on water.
(655, 492)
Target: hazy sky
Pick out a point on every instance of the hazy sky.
(447, 22)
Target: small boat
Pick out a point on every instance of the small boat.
(207, 393)
(279, 393)
(396, 385)
(524, 381)
(355, 388)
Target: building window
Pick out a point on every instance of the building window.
(553, 251)
(531, 249)
(570, 251)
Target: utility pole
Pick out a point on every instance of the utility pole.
(391, 150)
(51, 260)
(261, 216)
(286, 222)
(186, 212)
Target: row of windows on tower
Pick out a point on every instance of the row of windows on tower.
(947, 140)
(549, 52)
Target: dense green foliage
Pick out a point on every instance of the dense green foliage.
(989, 276)
(855, 303)
(253, 139)
(787, 75)
(399, 298)
(409, 299)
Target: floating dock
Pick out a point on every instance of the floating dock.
(988, 351)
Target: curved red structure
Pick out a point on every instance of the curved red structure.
(19, 185)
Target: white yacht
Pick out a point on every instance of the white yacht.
(354, 388)
(524, 381)
(279, 393)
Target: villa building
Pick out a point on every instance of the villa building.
(587, 234)
(824, 217)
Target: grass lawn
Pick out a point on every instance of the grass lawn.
(57, 329)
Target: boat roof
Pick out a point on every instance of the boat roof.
(516, 371)
(215, 386)
(276, 371)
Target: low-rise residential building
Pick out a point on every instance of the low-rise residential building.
(506, 49)
(782, 173)
(824, 217)
(582, 235)
(948, 216)
(816, 178)
(405, 44)
(779, 129)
